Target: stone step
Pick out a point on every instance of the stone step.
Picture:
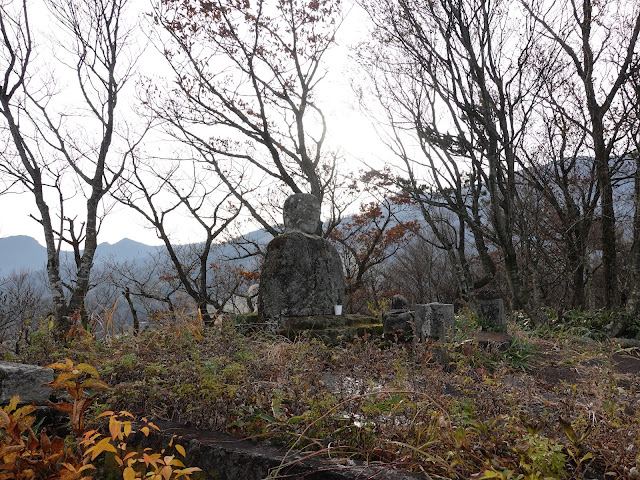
(222, 456)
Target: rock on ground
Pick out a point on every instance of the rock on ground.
(26, 381)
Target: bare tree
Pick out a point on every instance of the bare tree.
(60, 153)
(632, 100)
(368, 239)
(149, 281)
(167, 199)
(457, 82)
(22, 304)
(244, 96)
(600, 45)
(567, 180)
(422, 272)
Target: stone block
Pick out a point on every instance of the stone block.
(301, 276)
(491, 314)
(26, 381)
(301, 213)
(421, 314)
(398, 323)
(434, 321)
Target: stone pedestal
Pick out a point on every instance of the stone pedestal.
(331, 329)
(434, 321)
(491, 314)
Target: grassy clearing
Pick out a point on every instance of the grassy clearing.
(555, 405)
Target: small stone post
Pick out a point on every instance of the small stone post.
(434, 321)
(491, 313)
(421, 316)
(399, 320)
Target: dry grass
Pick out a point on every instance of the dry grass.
(551, 407)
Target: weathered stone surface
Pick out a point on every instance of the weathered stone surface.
(301, 213)
(26, 381)
(398, 322)
(434, 321)
(302, 273)
(399, 302)
(491, 313)
(301, 276)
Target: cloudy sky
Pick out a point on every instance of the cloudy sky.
(348, 129)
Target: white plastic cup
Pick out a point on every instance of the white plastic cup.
(337, 309)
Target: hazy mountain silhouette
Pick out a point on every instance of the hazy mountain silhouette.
(23, 252)
(125, 249)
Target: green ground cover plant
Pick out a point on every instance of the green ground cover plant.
(551, 406)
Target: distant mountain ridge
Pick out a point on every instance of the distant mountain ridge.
(23, 252)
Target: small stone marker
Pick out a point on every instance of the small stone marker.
(398, 320)
(491, 311)
(302, 273)
(26, 381)
(434, 321)
(421, 315)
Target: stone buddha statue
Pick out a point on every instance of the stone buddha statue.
(302, 272)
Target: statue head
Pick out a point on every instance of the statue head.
(399, 302)
(301, 213)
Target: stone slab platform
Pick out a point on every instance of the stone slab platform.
(331, 329)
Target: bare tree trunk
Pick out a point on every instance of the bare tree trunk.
(633, 306)
(136, 321)
(96, 36)
(608, 219)
(616, 54)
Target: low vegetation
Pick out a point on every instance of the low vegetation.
(557, 404)
(28, 451)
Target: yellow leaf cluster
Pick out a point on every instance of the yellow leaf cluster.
(25, 456)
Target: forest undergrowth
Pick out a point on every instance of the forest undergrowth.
(561, 402)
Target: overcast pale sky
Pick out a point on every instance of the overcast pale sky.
(347, 127)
